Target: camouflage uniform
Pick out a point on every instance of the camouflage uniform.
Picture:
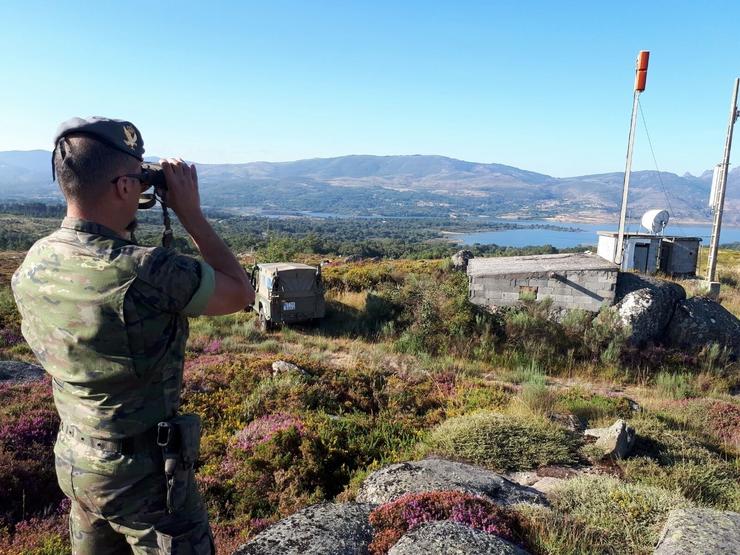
(108, 320)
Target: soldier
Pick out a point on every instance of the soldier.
(107, 319)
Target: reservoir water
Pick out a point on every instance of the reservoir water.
(562, 238)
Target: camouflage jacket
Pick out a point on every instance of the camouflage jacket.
(108, 320)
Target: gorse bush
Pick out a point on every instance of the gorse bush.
(501, 442)
(392, 520)
(363, 276)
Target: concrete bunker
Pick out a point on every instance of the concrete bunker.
(572, 281)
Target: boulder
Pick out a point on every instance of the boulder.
(352, 258)
(616, 441)
(460, 260)
(323, 529)
(628, 282)
(700, 532)
(698, 321)
(391, 482)
(283, 367)
(452, 537)
(12, 371)
(646, 306)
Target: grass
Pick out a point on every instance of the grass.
(674, 386)
(676, 453)
(617, 517)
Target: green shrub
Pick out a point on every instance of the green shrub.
(628, 516)
(671, 385)
(606, 338)
(502, 442)
(438, 318)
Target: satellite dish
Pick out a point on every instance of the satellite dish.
(655, 221)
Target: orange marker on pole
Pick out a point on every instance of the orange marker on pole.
(640, 79)
(641, 70)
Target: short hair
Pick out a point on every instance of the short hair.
(84, 165)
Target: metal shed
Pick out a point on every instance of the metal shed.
(641, 250)
(679, 256)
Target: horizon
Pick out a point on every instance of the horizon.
(199, 163)
(543, 87)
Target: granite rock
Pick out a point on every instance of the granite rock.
(323, 529)
(646, 306)
(616, 441)
(699, 321)
(447, 537)
(700, 532)
(433, 474)
(282, 367)
(460, 260)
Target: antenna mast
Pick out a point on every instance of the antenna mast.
(718, 202)
(640, 80)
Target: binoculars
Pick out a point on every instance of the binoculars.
(151, 175)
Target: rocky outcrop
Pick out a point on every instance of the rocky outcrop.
(616, 441)
(324, 529)
(12, 371)
(646, 306)
(547, 478)
(460, 260)
(700, 532)
(396, 480)
(280, 367)
(699, 321)
(452, 537)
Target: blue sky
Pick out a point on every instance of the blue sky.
(545, 86)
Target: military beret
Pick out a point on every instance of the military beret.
(119, 134)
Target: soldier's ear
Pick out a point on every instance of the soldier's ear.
(124, 187)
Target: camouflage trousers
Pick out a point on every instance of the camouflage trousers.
(119, 504)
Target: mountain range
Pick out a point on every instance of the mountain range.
(412, 185)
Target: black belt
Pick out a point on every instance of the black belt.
(125, 446)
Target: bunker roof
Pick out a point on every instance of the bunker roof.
(538, 264)
(282, 266)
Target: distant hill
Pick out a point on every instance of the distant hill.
(415, 185)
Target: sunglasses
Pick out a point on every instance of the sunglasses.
(151, 175)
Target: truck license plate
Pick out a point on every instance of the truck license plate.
(289, 306)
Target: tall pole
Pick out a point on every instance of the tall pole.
(640, 79)
(719, 206)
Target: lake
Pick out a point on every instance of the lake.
(564, 238)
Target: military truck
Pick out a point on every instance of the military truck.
(286, 293)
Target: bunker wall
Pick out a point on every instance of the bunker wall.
(584, 289)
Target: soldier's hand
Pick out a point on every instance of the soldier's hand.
(182, 188)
